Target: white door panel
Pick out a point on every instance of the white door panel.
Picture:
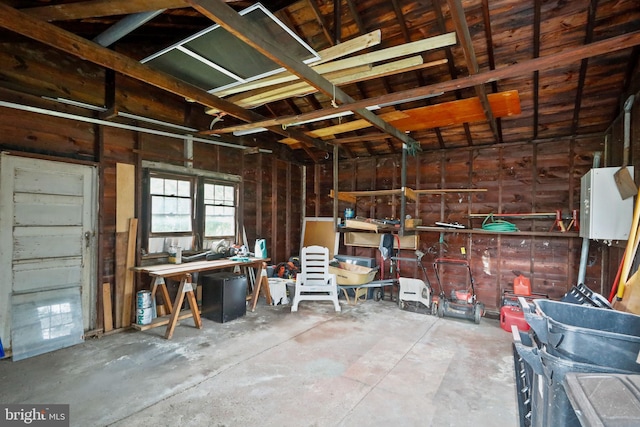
(47, 274)
(47, 242)
(49, 210)
(57, 180)
(46, 210)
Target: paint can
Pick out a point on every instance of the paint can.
(143, 299)
(144, 315)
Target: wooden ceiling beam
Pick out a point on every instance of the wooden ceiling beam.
(323, 66)
(486, 19)
(65, 41)
(591, 22)
(258, 97)
(450, 113)
(548, 62)
(462, 28)
(453, 70)
(96, 8)
(255, 36)
(537, 7)
(316, 12)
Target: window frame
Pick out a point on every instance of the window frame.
(193, 183)
(204, 207)
(198, 178)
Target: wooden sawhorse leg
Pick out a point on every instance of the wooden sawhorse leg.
(158, 282)
(186, 287)
(262, 282)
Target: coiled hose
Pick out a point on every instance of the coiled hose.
(498, 225)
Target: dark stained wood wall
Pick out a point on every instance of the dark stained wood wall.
(520, 178)
(275, 194)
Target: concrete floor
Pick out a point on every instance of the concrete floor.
(370, 365)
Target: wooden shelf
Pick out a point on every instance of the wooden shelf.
(351, 196)
(568, 234)
(372, 240)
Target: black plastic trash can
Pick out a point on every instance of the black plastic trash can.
(586, 334)
(549, 404)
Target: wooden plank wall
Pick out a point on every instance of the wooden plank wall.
(521, 178)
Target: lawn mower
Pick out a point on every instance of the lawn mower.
(414, 292)
(462, 302)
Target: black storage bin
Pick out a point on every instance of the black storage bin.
(586, 334)
(224, 296)
(580, 294)
(549, 404)
(604, 400)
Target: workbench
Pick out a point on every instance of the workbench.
(183, 273)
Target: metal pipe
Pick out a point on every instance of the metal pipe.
(124, 27)
(115, 125)
(627, 128)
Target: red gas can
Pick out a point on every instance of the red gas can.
(512, 315)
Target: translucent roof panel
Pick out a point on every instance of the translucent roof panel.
(184, 67)
(214, 58)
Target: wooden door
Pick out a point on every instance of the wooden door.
(48, 214)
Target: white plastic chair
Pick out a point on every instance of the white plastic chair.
(314, 282)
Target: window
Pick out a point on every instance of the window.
(189, 211)
(171, 205)
(220, 211)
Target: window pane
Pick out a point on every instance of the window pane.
(229, 196)
(184, 189)
(208, 193)
(170, 187)
(184, 206)
(157, 186)
(169, 214)
(219, 222)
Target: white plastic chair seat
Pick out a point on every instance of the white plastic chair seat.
(314, 282)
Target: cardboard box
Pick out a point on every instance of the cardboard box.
(412, 222)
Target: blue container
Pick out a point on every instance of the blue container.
(1, 349)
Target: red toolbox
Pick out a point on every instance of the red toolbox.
(512, 315)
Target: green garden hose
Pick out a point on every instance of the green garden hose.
(498, 225)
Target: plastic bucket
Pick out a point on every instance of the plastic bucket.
(586, 334)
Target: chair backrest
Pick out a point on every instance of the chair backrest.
(315, 265)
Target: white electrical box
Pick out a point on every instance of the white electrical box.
(604, 215)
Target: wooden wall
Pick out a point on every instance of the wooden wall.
(275, 194)
(520, 178)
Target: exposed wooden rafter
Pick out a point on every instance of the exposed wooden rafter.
(432, 116)
(323, 66)
(258, 97)
(94, 8)
(548, 62)
(255, 37)
(591, 21)
(51, 35)
(459, 19)
(453, 71)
